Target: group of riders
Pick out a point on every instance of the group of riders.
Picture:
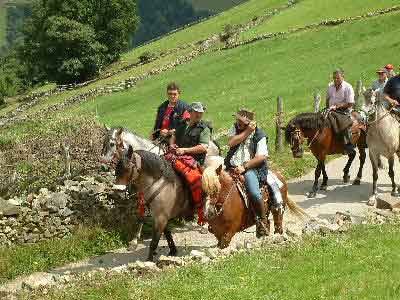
(182, 127)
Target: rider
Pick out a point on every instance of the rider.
(379, 84)
(169, 113)
(190, 141)
(247, 155)
(340, 98)
(390, 71)
(391, 93)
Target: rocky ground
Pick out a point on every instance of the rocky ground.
(335, 210)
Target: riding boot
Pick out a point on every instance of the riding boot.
(348, 141)
(262, 223)
(277, 214)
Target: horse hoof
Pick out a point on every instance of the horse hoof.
(372, 200)
(346, 179)
(357, 182)
(133, 245)
(312, 195)
(323, 188)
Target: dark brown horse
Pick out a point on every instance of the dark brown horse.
(322, 142)
(226, 211)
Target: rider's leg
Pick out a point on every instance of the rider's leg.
(348, 141)
(253, 187)
(277, 204)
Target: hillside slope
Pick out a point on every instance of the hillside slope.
(215, 6)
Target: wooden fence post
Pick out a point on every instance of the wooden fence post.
(358, 93)
(279, 125)
(317, 101)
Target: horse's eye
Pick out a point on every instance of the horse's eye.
(112, 144)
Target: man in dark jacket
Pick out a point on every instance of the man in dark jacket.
(391, 93)
(170, 113)
(247, 156)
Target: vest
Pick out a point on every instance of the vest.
(175, 117)
(262, 170)
(191, 138)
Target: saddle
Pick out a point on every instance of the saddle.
(239, 181)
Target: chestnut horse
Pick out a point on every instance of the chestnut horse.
(322, 142)
(226, 211)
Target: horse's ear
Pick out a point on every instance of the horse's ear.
(119, 131)
(218, 170)
(130, 152)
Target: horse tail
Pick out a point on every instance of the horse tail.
(294, 208)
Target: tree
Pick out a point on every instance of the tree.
(70, 41)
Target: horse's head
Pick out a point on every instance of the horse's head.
(128, 167)
(113, 147)
(216, 184)
(369, 96)
(295, 138)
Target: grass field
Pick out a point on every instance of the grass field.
(215, 6)
(311, 11)
(254, 75)
(363, 264)
(27, 259)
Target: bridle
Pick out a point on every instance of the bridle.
(218, 202)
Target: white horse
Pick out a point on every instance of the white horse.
(383, 138)
(114, 135)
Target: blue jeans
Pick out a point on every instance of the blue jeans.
(253, 185)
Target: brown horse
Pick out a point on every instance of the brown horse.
(226, 211)
(162, 189)
(322, 142)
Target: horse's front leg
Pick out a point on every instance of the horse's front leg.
(324, 185)
(363, 156)
(346, 170)
(318, 170)
(395, 191)
(374, 162)
(134, 243)
(159, 225)
(170, 241)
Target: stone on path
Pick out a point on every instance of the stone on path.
(387, 201)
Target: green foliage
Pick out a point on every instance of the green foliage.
(159, 17)
(71, 41)
(26, 259)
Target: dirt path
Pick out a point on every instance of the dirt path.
(339, 197)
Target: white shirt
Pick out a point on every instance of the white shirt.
(378, 87)
(242, 154)
(345, 94)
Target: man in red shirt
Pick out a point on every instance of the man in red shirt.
(170, 113)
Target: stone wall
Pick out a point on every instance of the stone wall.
(47, 215)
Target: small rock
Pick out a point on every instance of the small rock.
(164, 261)
(196, 254)
(212, 253)
(119, 269)
(8, 209)
(384, 213)
(386, 201)
(396, 211)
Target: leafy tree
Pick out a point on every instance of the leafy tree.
(70, 41)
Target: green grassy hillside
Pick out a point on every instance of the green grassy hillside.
(215, 6)
(3, 20)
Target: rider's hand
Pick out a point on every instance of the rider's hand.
(333, 107)
(251, 127)
(240, 170)
(164, 132)
(395, 103)
(180, 151)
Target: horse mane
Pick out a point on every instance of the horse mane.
(308, 121)
(156, 165)
(210, 181)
